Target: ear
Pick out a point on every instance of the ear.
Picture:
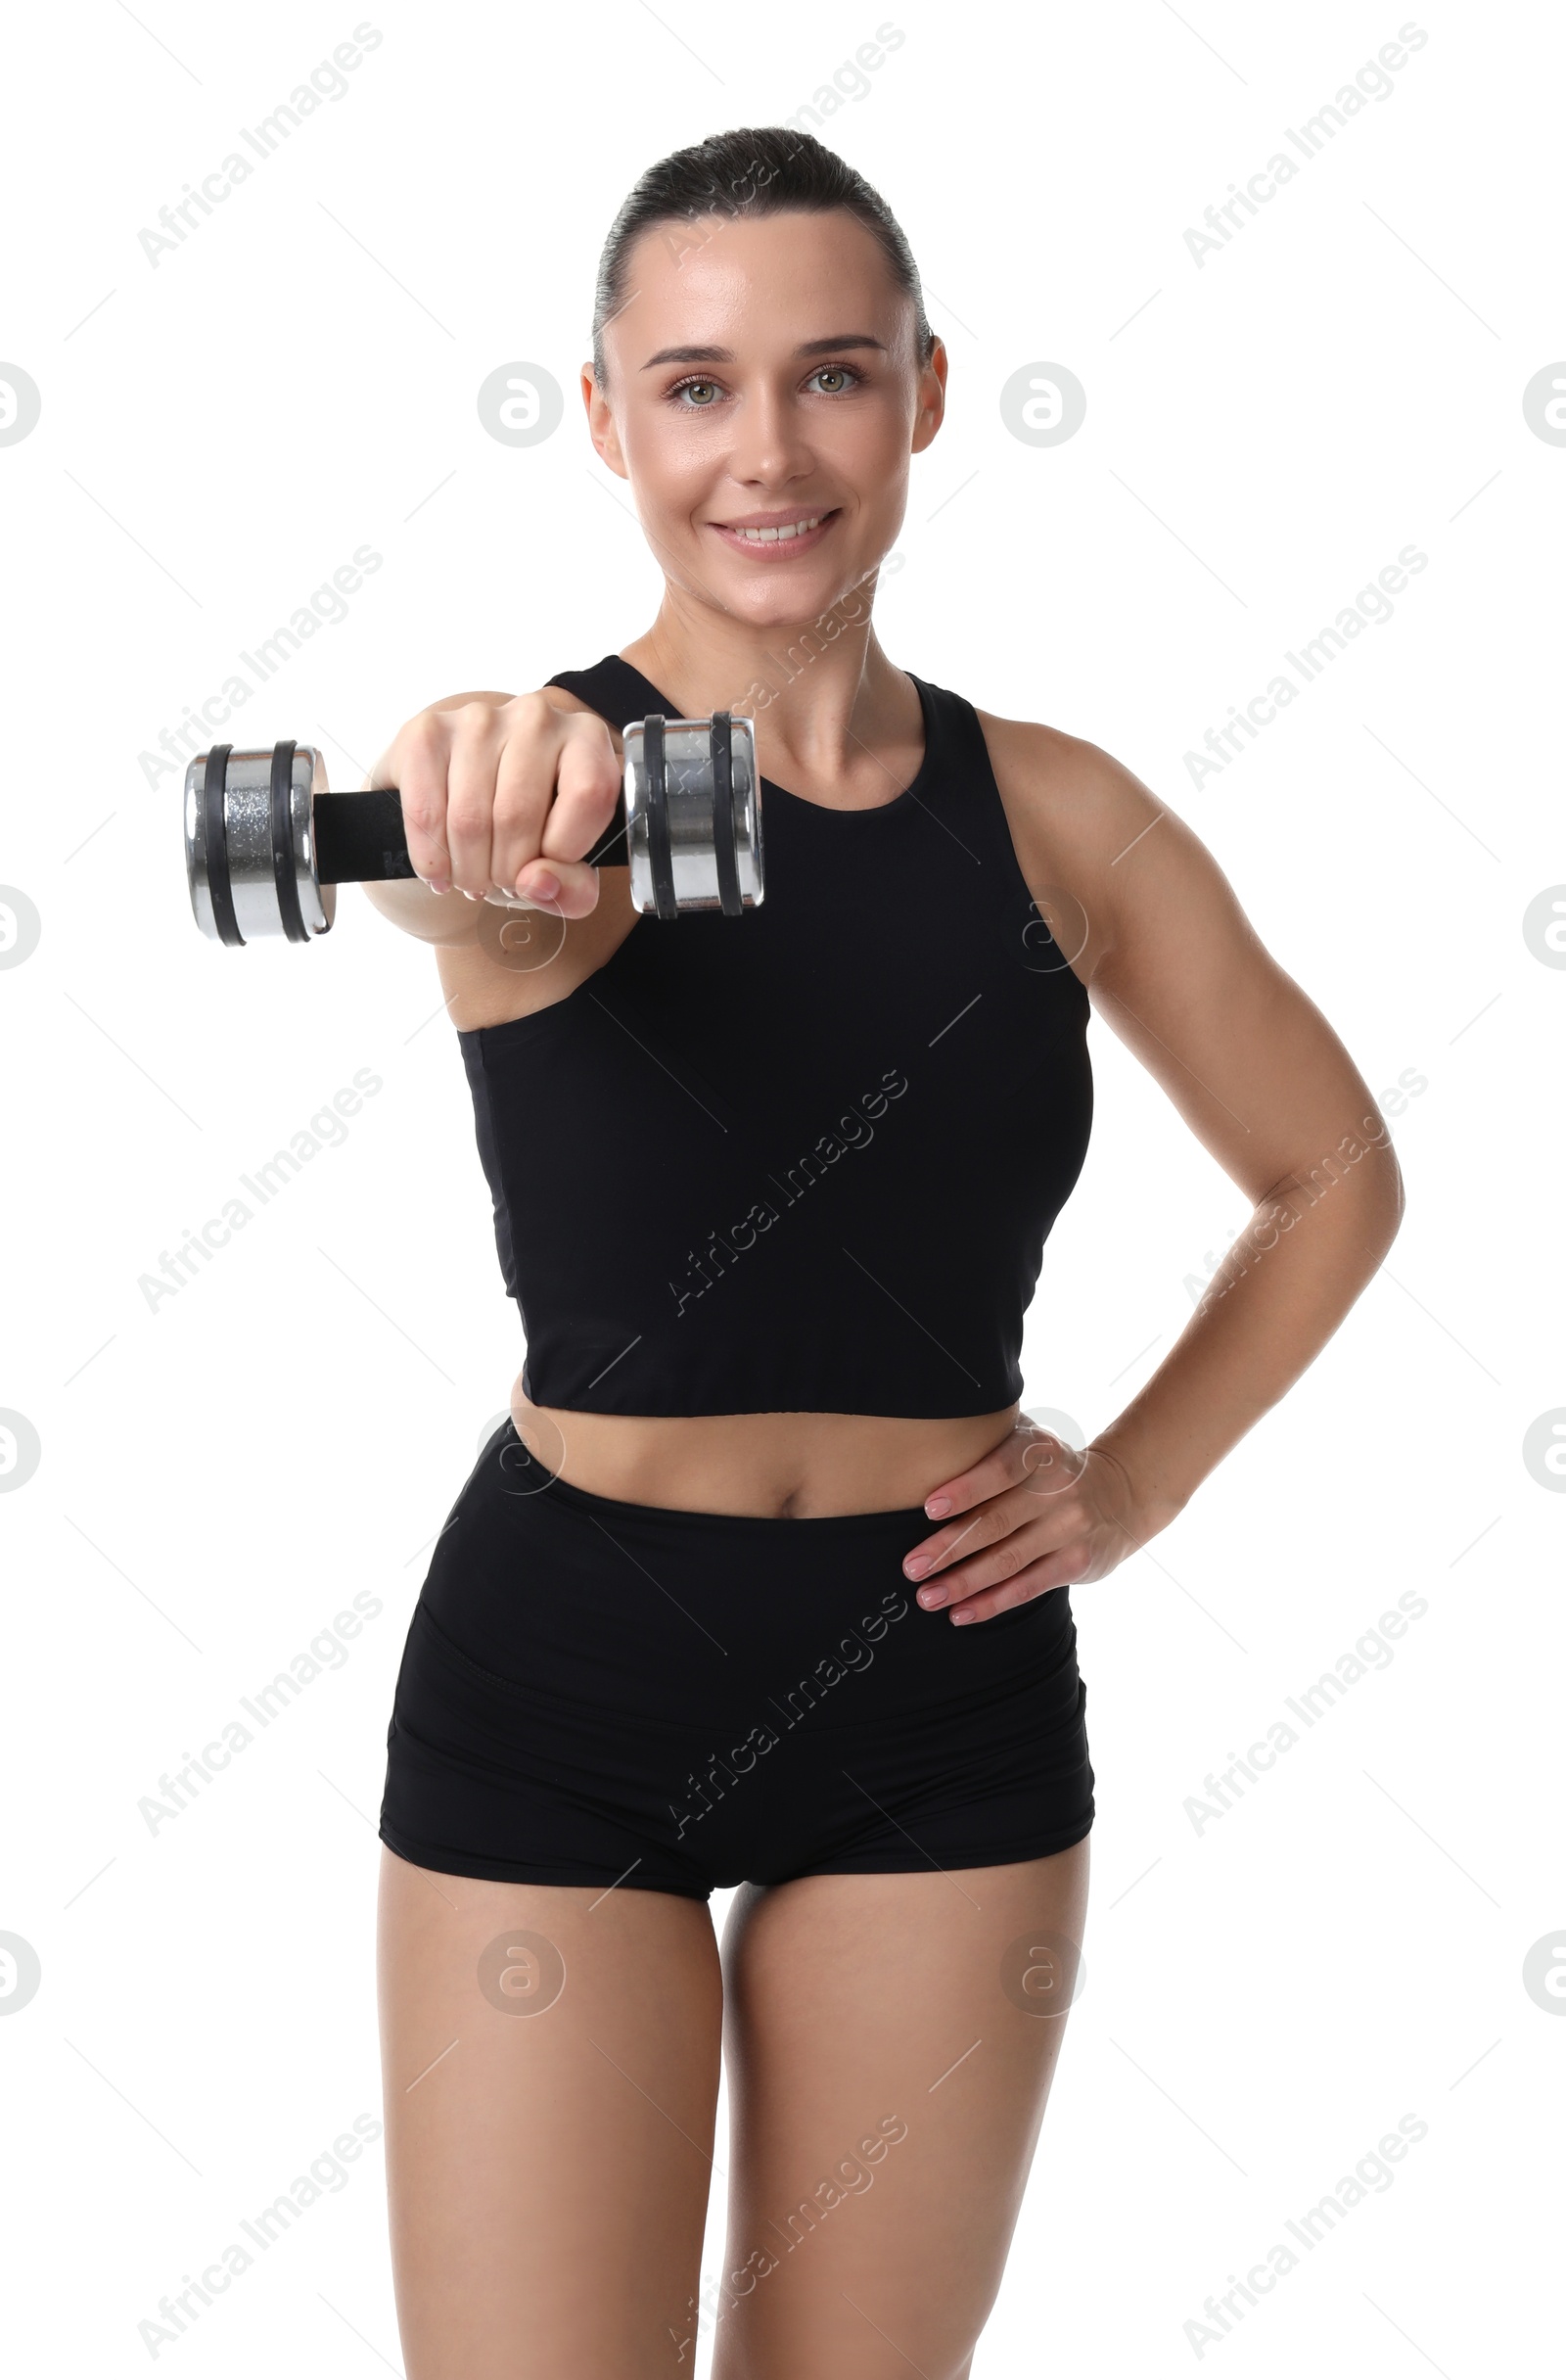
(601, 427)
(932, 399)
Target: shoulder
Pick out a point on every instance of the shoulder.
(1094, 839)
(1176, 968)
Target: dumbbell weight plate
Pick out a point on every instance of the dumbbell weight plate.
(250, 835)
(693, 814)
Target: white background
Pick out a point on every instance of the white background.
(1264, 431)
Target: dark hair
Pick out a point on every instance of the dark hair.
(772, 171)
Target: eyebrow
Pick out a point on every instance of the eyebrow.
(812, 347)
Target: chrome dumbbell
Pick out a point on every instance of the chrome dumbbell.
(267, 843)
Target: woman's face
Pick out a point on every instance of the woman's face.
(763, 372)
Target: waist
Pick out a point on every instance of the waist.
(779, 1466)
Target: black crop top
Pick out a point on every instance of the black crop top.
(806, 1159)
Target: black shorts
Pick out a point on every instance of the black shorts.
(599, 1693)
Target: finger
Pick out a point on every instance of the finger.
(966, 1489)
(993, 1563)
(586, 787)
(415, 762)
(475, 753)
(1025, 1451)
(1039, 1578)
(546, 769)
(996, 1519)
(525, 776)
(567, 888)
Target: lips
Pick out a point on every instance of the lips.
(782, 536)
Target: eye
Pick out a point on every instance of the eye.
(681, 385)
(845, 373)
(699, 395)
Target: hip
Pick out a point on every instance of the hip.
(668, 1616)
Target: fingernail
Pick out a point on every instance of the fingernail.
(545, 885)
(937, 1506)
(916, 1565)
(932, 1597)
(439, 884)
(960, 1620)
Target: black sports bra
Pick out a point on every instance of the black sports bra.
(807, 1159)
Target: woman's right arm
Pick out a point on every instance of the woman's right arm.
(499, 791)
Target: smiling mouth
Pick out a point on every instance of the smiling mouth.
(782, 532)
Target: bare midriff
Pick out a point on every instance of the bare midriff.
(774, 1465)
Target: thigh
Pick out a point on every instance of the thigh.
(889, 2047)
(550, 2060)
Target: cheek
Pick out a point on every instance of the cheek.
(666, 457)
(869, 450)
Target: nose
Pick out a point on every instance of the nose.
(769, 445)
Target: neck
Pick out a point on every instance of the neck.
(817, 689)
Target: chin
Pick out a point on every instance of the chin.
(782, 607)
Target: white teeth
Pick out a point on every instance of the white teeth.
(770, 537)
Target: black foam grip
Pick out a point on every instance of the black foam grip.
(283, 879)
(723, 842)
(214, 841)
(659, 854)
(360, 838)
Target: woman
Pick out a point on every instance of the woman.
(765, 1581)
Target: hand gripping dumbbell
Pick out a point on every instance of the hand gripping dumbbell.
(266, 845)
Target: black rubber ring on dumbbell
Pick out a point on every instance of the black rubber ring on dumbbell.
(214, 846)
(283, 876)
(724, 839)
(660, 854)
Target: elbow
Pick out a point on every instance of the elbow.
(1387, 1194)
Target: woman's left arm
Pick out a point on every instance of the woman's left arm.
(1152, 926)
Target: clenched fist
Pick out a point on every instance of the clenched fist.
(501, 796)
